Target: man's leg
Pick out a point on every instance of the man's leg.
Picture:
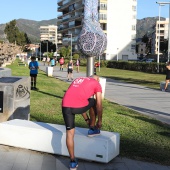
(32, 82)
(92, 113)
(35, 82)
(166, 84)
(70, 142)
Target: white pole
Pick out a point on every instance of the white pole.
(99, 63)
(71, 46)
(158, 39)
(47, 48)
(169, 35)
(117, 54)
(40, 51)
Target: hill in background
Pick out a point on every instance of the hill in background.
(31, 27)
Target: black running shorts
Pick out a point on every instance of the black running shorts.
(69, 113)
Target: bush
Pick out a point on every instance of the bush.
(137, 66)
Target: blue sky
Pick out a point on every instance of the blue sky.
(47, 9)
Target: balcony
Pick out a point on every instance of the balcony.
(67, 5)
(71, 19)
(69, 28)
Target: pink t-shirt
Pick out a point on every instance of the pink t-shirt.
(80, 90)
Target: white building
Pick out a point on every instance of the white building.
(121, 29)
(117, 19)
(163, 34)
(48, 33)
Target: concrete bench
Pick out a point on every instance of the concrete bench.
(21, 64)
(162, 86)
(51, 138)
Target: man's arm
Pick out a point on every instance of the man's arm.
(99, 108)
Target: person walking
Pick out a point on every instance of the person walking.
(70, 70)
(53, 62)
(44, 60)
(78, 100)
(61, 61)
(167, 79)
(78, 65)
(33, 66)
(48, 61)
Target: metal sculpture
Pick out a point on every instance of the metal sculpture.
(92, 40)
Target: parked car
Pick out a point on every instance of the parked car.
(147, 60)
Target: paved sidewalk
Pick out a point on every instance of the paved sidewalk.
(147, 101)
(22, 159)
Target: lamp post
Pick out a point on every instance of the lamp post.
(71, 45)
(117, 54)
(164, 3)
(47, 47)
(40, 50)
(159, 37)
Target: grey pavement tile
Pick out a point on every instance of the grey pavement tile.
(151, 166)
(22, 159)
(5, 166)
(62, 163)
(49, 162)
(35, 161)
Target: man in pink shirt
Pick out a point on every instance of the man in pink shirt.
(78, 99)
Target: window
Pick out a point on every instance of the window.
(133, 27)
(133, 46)
(133, 16)
(103, 16)
(103, 6)
(134, 8)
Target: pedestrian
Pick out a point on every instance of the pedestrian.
(70, 70)
(33, 66)
(77, 65)
(61, 61)
(78, 100)
(53, 62)
(167, 80)
(44, 60)
(48, 61)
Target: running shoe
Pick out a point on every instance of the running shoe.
(73, 164)
(93, 132)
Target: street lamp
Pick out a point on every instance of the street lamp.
(40, 50)
(159, 37)
(117, 54)
(164, 3)
(71, 44)
(47, 47)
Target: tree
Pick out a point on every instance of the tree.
(14, 35)
(147, 41)
(65, 51)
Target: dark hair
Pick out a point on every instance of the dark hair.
(33, 58)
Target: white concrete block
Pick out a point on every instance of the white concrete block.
(103, 85)
(49, 71)
(162, 86)
(50, 138)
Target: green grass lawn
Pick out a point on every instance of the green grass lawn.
(142, 137)
(135, 77)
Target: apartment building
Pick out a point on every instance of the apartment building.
(117, 19)
(49, 33)
(163, 34)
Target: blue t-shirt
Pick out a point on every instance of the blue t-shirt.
(52, 62)
(33, 65)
